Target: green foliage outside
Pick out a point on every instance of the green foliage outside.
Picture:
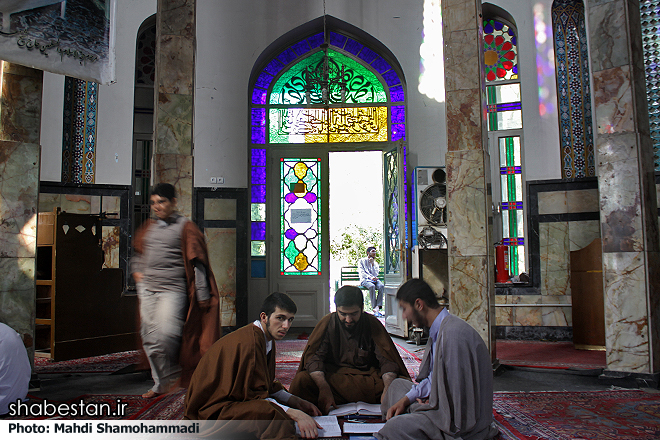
(353, 242)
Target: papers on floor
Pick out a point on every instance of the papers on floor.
(329, 426)
(362, 428)
(363, 408)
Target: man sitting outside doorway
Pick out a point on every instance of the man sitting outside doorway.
(368, 272)
(349, 357)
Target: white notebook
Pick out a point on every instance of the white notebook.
(362, 428)
(329, 426)
(367, 409)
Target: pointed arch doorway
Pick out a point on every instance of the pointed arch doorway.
(326, 92)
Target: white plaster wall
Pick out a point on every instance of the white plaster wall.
(115, 106)
(231, 36)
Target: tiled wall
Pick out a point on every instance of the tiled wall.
(563, 216)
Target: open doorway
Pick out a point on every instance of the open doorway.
(355, 214)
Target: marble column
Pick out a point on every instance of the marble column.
(628, 205)
(471, 261)
(173, 107)
(20, 122)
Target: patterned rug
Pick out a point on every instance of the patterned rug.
(538, 354)
(108, 363)
(562, 415)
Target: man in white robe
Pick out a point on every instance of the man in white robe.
(15, 369)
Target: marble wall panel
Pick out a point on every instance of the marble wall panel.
(221, 243)
(469, 297)
(465, 120)
(467, 202)
(462, 58)
(503, 315)
(528, 316)
(48, 202)
(626, 305)
(17, 295)
(556, 316)
(176, 64)
(110, 245)
(177, 170)
(607, 31)
(614, 107)
(460, 15)
(227, 311)
(19, 186)
(555, 258)
(582, 200)
(219, 209)
(111, 205)
(76, 203)
(178, 17)
(552, 202)
(174, 126)
(582, 233)
(21, 103)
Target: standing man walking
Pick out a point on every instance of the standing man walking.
(368, 272)
(177, 293)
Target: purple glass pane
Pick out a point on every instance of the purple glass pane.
(310, 197)
(258, 194)
(498, 26)
(381, 65)
(315, 40)
(258, 117)
(488, 29)
(398, 114)
(353, 47)
(337, 40)
(287, 56)
(290, 234)
(258, 231)
(264, 80)
(301, 47)
(391, 78)
(290, 198)
(258, 96)
(258, 157)
(258, 135)
(367, 55)
(398, 131)
(396, 93)
(273, 67)
(258, 175)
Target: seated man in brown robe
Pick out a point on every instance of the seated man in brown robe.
(349, 357)
(235, 380)
(454, 394)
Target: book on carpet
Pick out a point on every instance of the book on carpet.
(362, 408)
(329, 426)
(362, 428)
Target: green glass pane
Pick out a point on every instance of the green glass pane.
(258, 248)
(362, 85)
(300, 234)
(258, 212)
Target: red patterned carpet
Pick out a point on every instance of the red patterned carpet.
(108, 363)
(562, 355)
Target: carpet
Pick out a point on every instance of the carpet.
(562, 415)
(538, 354)
(108, 363)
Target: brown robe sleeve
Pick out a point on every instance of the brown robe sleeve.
(202, 327)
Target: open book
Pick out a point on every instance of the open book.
(362, 408)
(329, 426)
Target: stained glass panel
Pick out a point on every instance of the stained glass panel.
(504, 107)
(392, 244)
(500, 51)
(300, 246)
(511, 186)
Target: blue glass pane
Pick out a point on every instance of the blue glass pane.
(367, 55)
(258, 96)
(258, 135)
(264, 80)
(274, 67)
(398, 131)
(258, 175)
(398, 114)
(337, 40)
(287, 56)
(258, 117)
(301, 47)
(396, 93)
(391, 78)
(258, 157)
(315, 40)
(258, 269)
(381, 65)
(258, 231)
(353, 47)
(258, 193)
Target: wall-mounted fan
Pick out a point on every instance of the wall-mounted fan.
(433, 200)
